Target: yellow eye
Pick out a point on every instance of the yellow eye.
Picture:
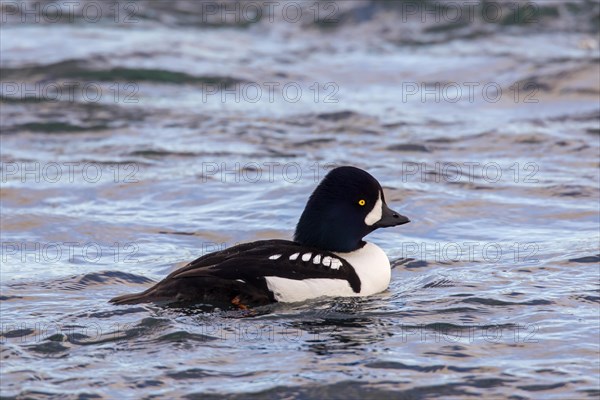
(361, 202)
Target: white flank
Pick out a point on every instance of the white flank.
(292, 290)
(370, 263)
(375, 214)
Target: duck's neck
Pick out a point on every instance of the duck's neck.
(324, 238)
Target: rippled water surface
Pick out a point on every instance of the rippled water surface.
(166, 130)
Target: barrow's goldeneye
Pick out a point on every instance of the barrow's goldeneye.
(327, 257)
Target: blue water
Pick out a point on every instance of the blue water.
(165, 130)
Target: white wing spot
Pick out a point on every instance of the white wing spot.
(335, 263)
(241, 280)
(294, 256)
(274, 256)
(306, 256)
(327, 261)
(317, 259)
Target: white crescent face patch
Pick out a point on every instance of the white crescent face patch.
(375, 214)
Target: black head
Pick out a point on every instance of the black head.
(347, 205)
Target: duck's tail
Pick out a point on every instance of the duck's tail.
(133, 298)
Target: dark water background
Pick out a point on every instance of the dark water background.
(136, 136)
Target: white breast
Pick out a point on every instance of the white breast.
(370, 263)
(372, 267)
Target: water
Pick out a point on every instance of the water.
(163, 131)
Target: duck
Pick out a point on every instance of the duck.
(326, 258)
